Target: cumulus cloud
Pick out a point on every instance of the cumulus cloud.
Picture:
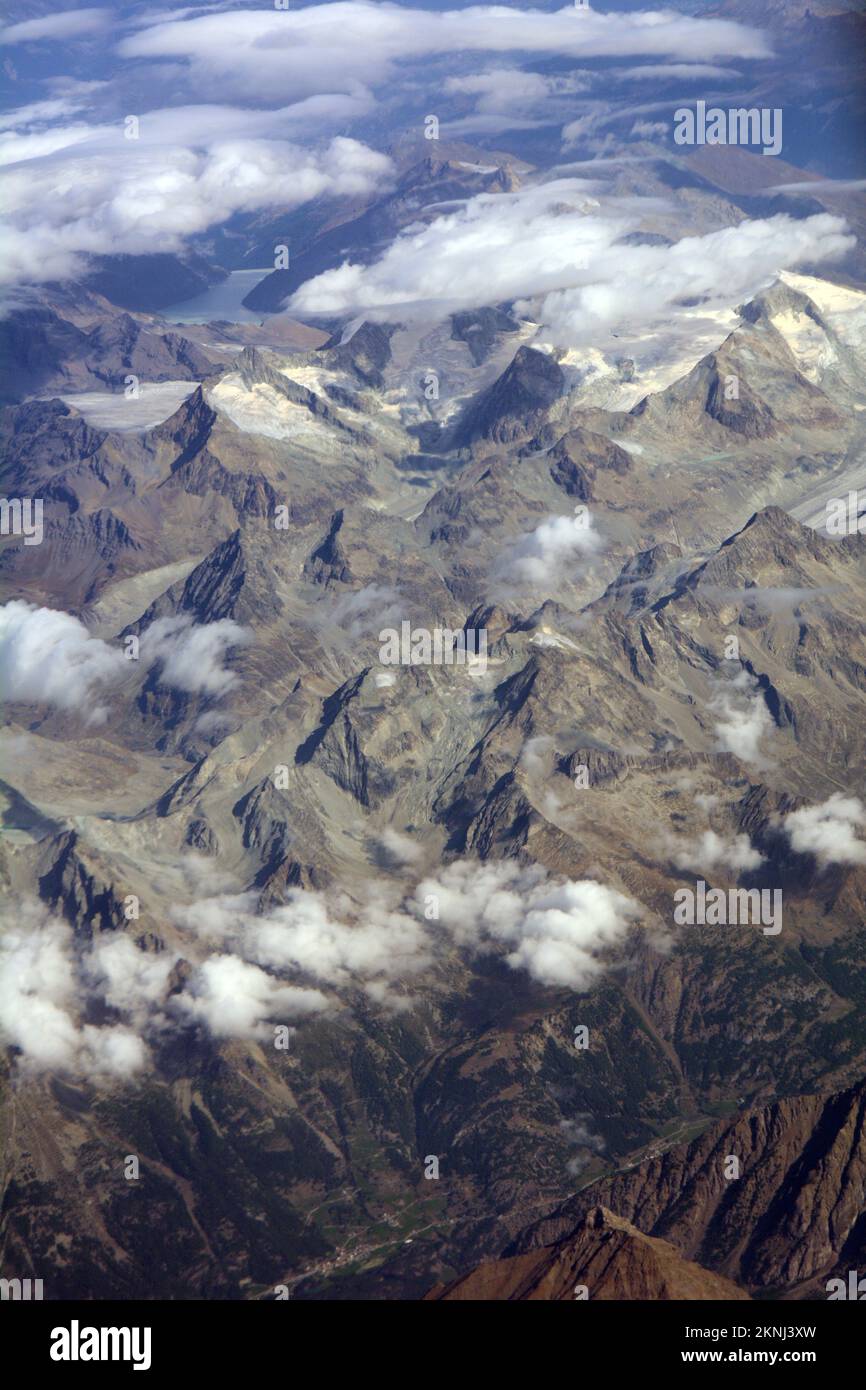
(712, 851)
(556, 251)
(642, 285)
(50, 983)
(558, 932)
(742, 719)
(396, 850)
(302, 936)
(48, 657)
(327, 940)
(536, 754)
(356, 44)
(829, 831)
(75, 191)
(128, 979)
(237, 972)
(234, 999)
(546, 556)
(191, 654)
(40, 1001)
(528, 241)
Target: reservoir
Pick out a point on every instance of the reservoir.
(222, 301)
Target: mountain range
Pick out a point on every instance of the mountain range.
(335, 972)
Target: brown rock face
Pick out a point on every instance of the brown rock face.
(516, 401)
(791, 1220)
(605, 1258)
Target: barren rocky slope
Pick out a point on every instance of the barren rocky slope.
(605, 1258)
(772, 1201)
(600, 742)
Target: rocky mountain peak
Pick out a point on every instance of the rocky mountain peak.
(605, 1258)
(514, 405)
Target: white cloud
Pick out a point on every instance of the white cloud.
(643, 286)
(199, 874)
(398, 850)
(556, 250)
(528, 242)
(234, 999)
(363, 611)
(649, 130)
(829, 830)
(40, 998)
(246, 971)
(558, 932)
(191, 654)
(663, 72)
(39, 113)
(79, 190)
(355, 43)
(712, 851)
(217, 917)
(301, 936)
(307, 936)
(536, 754)
(128, 979)
(513, 99)
(48, 980)
(113, 1053)
(823, 186)
(548, 555)
(57, 26)
(577, 1133)
(502, 89)
(743, 719)
(769, 599)
(48, 657)
(187, 128)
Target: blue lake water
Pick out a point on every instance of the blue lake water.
(222, 301)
